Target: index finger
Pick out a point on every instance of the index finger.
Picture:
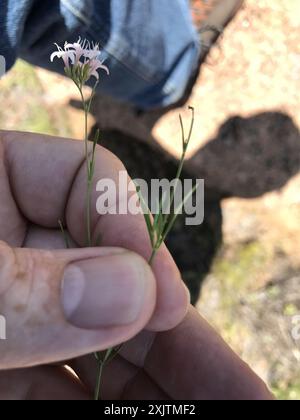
(45, 179)
(190, 362)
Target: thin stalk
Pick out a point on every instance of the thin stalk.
(174, 189)
(97, 394)
(86, 108)
(151, 259)
(90, 175)
(158, 231)
(88, 213)
(89, 183)
(80, 74)
(85, 124)
(90, 164)
(109, 355)
(185, 145)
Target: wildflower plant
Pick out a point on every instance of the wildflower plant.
(161, 224)
(82, 62)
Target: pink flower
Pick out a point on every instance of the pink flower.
(94, 65)
(84, 59)
(79, 49)
(66, 54)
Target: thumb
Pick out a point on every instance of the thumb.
(62, 304)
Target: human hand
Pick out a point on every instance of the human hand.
(52, 313)
(42, 180)
(189, 362)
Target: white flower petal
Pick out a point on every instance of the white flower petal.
(105, 68)
(81, 53)
(56, 54)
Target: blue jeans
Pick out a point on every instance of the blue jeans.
(150, 46)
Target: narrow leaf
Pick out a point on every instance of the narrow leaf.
(147, 215)
(178, 211)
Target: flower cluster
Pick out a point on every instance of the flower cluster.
(81, 59)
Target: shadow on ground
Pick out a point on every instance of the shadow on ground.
(248, 158)
(193, 247)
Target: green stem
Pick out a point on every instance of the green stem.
(86, 112)
(97, 394)
(174, 189)
(185, 145)
(154, 251)
(88, 213)
(90, 175)
(86, 108)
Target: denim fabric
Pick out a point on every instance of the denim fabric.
(150, 46)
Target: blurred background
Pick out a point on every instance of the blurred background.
(246, 145)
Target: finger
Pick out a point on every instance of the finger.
(48, 176)
(39, 238)
(42, 383)
(62, 304)
(121, 380)
(12, 223)
(191, 362)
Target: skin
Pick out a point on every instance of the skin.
(171, 352)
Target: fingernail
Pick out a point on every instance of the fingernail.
(105, 292)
